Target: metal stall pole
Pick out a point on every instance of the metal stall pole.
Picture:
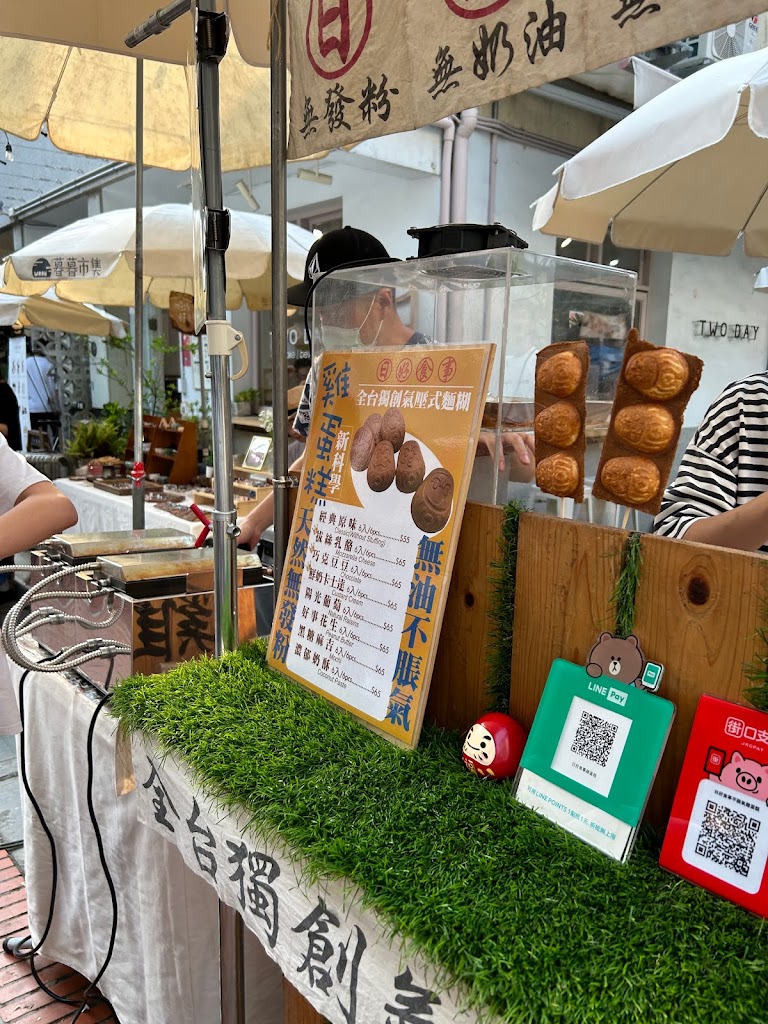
(278, 114)
(138, 313)
(211, 38)
(212, 33)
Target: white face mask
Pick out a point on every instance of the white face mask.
(350, 337)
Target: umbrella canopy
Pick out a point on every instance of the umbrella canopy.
(104, 24)
(55, 314)
(88, 99)
(761, 281)
(93, 258)
(348, 81)
(686, 172)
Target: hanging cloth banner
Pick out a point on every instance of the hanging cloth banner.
(365, 68)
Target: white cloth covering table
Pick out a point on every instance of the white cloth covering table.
(99, 510)
(165, 967)
(341, 957)
(172, 850)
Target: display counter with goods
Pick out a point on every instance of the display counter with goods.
(402, 618)
(349, 805)
(518, 301)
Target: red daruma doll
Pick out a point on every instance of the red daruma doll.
(493, 746)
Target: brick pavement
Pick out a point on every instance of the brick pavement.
(21, 1001)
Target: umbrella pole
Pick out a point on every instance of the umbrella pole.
(211, 45)
(138, 312)
(211, 40)
(278, 111)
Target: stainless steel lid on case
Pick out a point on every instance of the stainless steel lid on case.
(78, 547)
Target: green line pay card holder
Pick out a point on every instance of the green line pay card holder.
(592, 755)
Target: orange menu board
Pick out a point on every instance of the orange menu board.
(387, 467)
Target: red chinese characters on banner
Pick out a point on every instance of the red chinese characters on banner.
(424, 370)
(403, 370)
(718, 831)
(186, 349)
(337, 31)
(384, 370)
(475, 8)
(447, 369)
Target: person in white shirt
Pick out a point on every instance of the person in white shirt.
(31, 509)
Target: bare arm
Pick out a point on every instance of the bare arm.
(4, 429)
(744, 527)
(257, 521)
(39, 512)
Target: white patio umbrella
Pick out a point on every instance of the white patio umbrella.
(93, 258)
(55, 314)
(686, 172)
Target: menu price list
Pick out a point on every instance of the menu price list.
(353, 598)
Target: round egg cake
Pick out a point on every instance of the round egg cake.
(660, 374)
(559, 425)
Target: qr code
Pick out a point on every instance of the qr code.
(727, 837)
(594, 738)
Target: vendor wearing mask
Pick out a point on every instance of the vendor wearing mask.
(366, 319)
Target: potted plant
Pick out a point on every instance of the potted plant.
(245, 401)
(92, 439)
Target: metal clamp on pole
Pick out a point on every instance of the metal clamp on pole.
(218, 228)
(283, 481)
(227, 519)
(212, 35)
(223, 339)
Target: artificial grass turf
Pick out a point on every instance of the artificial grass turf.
(757, 670)
(502, 610)
(625, 592)
(537, 927)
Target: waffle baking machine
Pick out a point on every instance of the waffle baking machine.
(149, 589)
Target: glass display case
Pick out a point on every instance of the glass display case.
(520, 301)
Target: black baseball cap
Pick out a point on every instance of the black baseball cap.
(341, 248)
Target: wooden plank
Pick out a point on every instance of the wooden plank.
(566, 573)
(457, 692)
(296, 1009)
(698, 608)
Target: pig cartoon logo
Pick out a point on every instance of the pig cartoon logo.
(745, 776)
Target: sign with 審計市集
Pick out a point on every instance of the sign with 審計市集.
(386, 471)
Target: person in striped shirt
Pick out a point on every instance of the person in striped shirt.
(720, 494)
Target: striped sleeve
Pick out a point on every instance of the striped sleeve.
(707, 480)
(703, 487)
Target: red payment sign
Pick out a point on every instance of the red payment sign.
(717, 835)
